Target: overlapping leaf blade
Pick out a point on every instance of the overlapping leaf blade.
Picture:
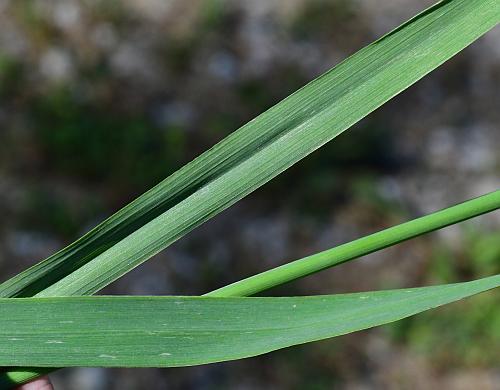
(260, 150)
(316, 262)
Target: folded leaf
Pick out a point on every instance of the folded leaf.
(260, 150)
(183, 331)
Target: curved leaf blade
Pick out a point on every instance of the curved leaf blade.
(183, 331)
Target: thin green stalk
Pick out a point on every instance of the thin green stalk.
(360, 247)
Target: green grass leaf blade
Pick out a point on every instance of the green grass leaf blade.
(260, 150)
(360, 247)
(183, 331)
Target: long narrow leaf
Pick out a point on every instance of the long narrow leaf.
(260, 150)
(183, 331)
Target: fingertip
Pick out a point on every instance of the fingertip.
(38, 384)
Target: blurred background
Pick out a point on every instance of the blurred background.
(100, 100)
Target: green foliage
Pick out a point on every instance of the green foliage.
(176, 331)
(183, 331)
(111, 146)
(259, 151)
(10, 73)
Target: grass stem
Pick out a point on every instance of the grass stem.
(360, 247)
